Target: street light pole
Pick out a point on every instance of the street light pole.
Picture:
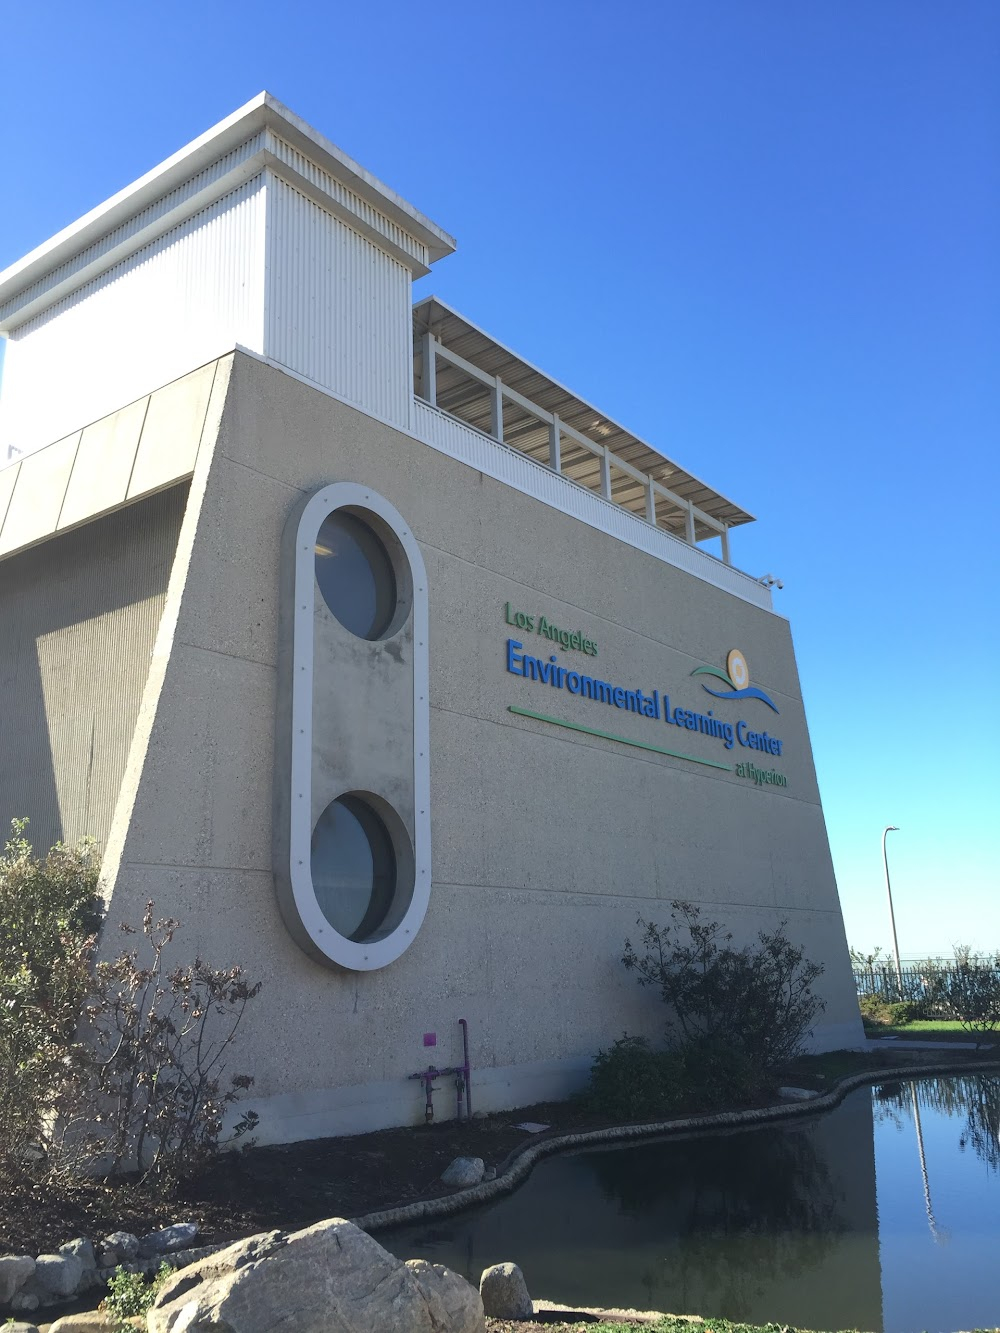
(891, 828)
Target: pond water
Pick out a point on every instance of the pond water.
(883, 1214)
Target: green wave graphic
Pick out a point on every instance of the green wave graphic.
(714, 671)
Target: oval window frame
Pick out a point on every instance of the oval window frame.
(297, 897)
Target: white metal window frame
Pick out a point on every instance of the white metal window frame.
(358, 956)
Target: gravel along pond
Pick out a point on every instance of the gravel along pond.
(883, 1214)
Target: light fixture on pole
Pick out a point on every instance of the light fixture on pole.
(891, 828)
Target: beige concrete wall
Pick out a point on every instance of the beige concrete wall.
(547, 844)
(79, 616)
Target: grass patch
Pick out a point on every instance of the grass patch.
(937, 1029)
(821, 1072)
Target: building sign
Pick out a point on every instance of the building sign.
(546, 669)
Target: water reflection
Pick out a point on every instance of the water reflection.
(760, 1225)
(974, 1100)
(881, 1215)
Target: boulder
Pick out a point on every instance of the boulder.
(94, 1321)
(505, 1293)
(121, 1247)
(464, 1171)
(329, 1276)
(180, 1236)
(15, 1269)
(452, 1302)
(82, 1249)
(18, 1326)
(58, 1275)
(24, 1300)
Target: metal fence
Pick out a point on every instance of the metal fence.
(922, 983)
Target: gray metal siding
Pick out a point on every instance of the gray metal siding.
(78, 619)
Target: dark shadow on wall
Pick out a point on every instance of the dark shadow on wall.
(78, 619)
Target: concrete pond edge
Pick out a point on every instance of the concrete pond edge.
(517, 1166)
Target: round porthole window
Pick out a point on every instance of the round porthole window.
(355, 871)
(356, 575)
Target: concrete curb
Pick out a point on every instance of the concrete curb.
(518, 1164)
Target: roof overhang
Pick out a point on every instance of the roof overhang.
(475, 346)
(62, 263)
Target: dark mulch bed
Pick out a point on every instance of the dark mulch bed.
(294, 1186)
(285, 1188)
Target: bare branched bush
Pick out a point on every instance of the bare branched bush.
(160, 1036)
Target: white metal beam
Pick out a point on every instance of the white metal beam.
(496, 409)
(428, 374)
(555, 450)
(606, 473)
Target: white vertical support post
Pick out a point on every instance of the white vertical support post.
(650, 503)
(689, 524)
(606, 473)
(555, 449)
(496, 410)
(428, 374)
(725, 547)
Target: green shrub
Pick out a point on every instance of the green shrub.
(886, 1013)
(631, 1081)
(756, 999)
(709, 1072)
(129, 1294)
(970, 992)
(49, 914)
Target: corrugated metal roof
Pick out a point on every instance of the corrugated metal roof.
(468, 399)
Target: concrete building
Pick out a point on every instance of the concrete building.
(397, 672)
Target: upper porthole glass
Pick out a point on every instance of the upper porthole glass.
(355, 575)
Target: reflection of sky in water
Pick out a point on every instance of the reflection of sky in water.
(774, 1224)
(939, 1203)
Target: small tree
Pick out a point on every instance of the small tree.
(970, 991)
(49, 914)
(756, 1000)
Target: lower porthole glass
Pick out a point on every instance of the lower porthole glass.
(353, 868)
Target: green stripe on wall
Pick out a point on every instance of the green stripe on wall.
(622, 740)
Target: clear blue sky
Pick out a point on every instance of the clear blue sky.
(763, 234)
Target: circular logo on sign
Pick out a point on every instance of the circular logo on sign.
(739, 672)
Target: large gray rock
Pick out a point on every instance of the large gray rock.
(81, 1249)
(451, 1301)
(180, 1236)
(18, 1326)
(15, 1269)
(464, 1171)
(329, 1278)
(505, 1293)
(94, 1321)
(121, 1247)
(58, 1275)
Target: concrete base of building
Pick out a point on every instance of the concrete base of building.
(365, 1107)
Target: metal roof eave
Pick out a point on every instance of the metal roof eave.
(261, 112)
(641, 455)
